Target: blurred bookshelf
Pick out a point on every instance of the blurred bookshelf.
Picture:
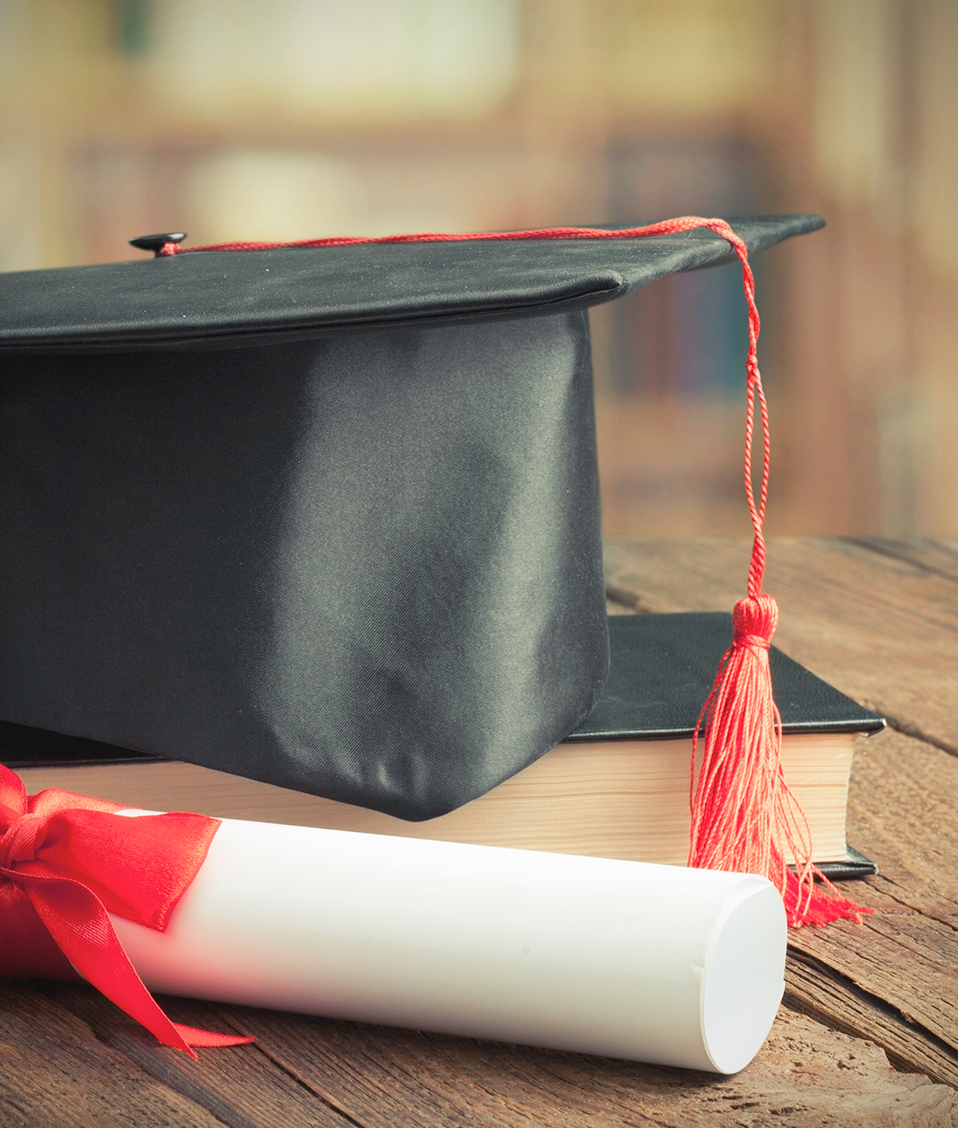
(244, 119)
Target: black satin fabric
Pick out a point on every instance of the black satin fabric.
(365, 566)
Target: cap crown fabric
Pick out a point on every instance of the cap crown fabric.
(326, 518)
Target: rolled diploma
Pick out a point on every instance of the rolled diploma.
(632, 960)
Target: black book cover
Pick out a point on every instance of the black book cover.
(662, 668)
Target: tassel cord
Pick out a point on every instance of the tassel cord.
(743, 815)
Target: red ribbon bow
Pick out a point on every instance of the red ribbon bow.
(66, 862)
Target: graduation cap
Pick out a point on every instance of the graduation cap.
(327, 515)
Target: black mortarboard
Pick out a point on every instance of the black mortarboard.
(326, 517)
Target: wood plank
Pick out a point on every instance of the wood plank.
(323, 1071)
(815, 989)
(387, 1078)
(55, 1073)
(239, 1086)
(937, 557)
(895, 978)
(902, 808)
(881, 625)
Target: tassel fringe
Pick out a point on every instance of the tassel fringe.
(744, 817)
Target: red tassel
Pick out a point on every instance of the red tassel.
(744, 818)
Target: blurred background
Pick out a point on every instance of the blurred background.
(289, 119)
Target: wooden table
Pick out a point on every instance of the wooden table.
(869, 1031)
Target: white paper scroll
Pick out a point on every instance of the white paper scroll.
(645, 962)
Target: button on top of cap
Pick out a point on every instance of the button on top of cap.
(156, 243)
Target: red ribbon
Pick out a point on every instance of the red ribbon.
(66, 862)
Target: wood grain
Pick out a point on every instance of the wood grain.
(54, 1073)
(895, 979)
(305, 1071)
(240, 1086)
(380, 1077)
(403, 1080)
